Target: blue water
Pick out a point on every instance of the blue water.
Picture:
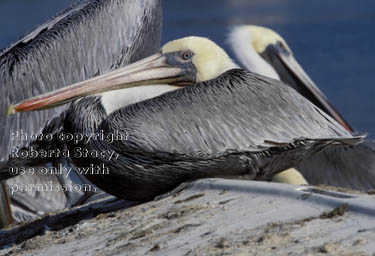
(333, 40)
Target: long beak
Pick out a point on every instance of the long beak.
(152, 70)
(293, 74)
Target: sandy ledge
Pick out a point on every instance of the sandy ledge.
(209, 217)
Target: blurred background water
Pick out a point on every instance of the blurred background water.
(333, 40)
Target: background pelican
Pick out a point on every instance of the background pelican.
(87, 39)
(231, 122)
(263, 51)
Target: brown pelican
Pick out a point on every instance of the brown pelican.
(263, 51)
(89, 38)
(194, 114)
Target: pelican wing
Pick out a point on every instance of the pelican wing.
(237, 112)
(87, 39)
(350, 167)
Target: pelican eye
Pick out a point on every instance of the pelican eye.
(186, 55)
(280, 44)
(282, 47)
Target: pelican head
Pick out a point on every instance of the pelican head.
(250, 43)
(263, 37)
(263, 51)
(208, 59)
(179, 63)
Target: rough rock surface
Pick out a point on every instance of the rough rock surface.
(209, 217)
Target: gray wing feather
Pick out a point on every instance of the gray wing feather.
(87, 39)
(237, 112)
(350, 167)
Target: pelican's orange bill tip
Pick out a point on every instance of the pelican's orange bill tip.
(23, 106)
(15, 108)
(12, 109)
